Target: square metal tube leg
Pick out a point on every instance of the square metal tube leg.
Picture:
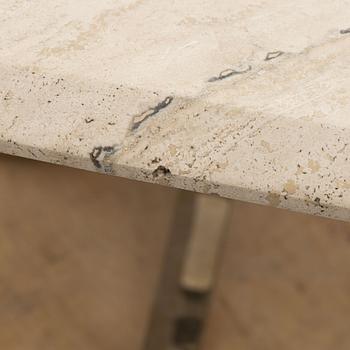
(190, 262)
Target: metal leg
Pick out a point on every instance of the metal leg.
(188, 274)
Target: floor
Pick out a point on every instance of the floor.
(80, 255)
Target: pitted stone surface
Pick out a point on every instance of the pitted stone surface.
(248, 99)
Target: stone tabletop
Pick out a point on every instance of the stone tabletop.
(246, 99)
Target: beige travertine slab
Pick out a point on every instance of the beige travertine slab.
(245, 99)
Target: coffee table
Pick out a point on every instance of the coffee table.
(246, 100)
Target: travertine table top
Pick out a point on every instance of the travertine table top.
(247, 99)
